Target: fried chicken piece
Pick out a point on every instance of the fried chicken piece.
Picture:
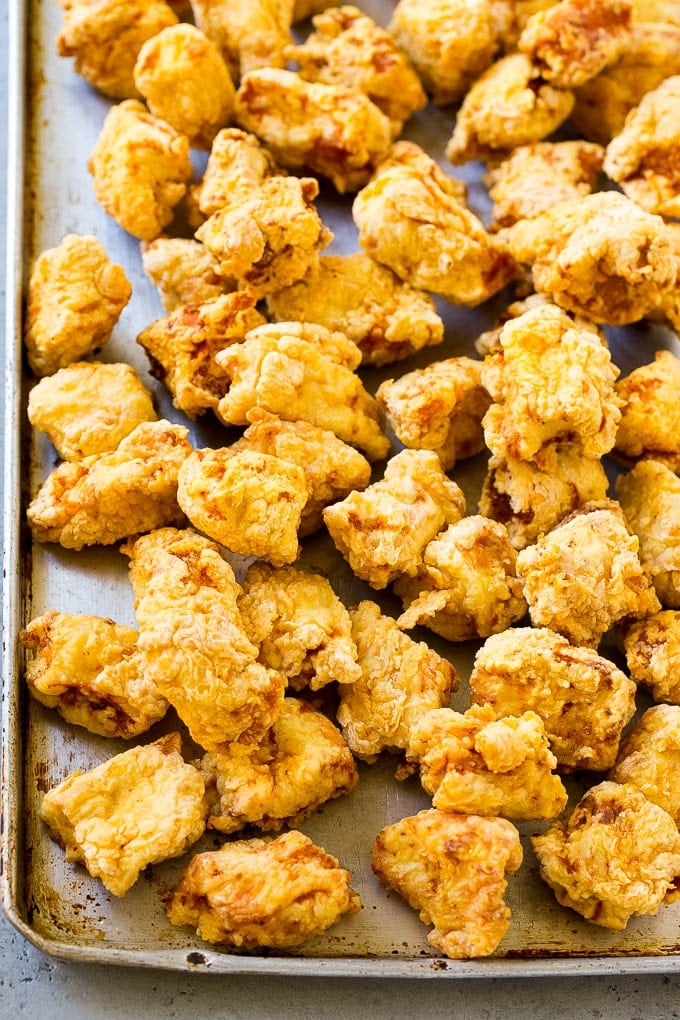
(236, 167)
(140, 166)
(302, 372)
(411, 218)
(586, 574)
(650, 418)
(270, 239)
(75, 296)
(400, 681)
(467, 587)
(256, 892)
(306, 8)
(511, 18)
(89, 407)
(451, 868)
(531, 496)
(138, 808)
(89, 670)
(577, 257)
(650, 499)
(182, 347)
(652, 649)
(617, 856)
(644, 158)
(582, 698)
(550, 379)
(477, 764)
(300, 626)
(105, 37)
(249, 35)
(509, 105)
(650, 758)
(192, 638)
(382, 531)
(348, 48)
(534, 178)
(386, 318)
(106, 497)
(333, 131)
(668, 309)
(657, 10)
(301, 763)
(183, 78)
(183, 271)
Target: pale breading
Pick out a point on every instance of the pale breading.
(666, 11)
(650, 498)
(652, 649)
(650, 416)
(649, 757)
(248, 35)
(236, 166)
(511, 17)
(183, 271)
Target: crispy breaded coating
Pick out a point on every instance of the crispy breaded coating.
(382, 531)
(549, 378)
(249, 35)
(582, 698)
(302, 372)
(386, 318)
(182, 347)
(509, 105)
(451, 868)
(103, 498)
(349, 48)
(88, 669)
(140, 166)
(192, 637)
(576, 39)
(138, 808)
(650, 417)
(236, 167)
(300, 626)
(270, 239)
(75, 296)
(577, 258)
(183, 271)
(657, 10)
(89, 407)
(333, 131)
(256, 892)
(531, 496)
(586, 574)
(511, 17)
(668, 310)
(477, 764)
(105, 37)
(411, 218)
(652, 649)
(617, 856)
(183, 78)
(650, 499)
(400, 681)
(536, 177)
(467, 587)
(301, 763)
(649, 757)
(439, 407)
(645, 157)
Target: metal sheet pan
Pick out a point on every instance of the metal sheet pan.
(54, 120)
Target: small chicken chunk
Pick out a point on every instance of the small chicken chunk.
(183, 271)
(88, 669)
(650, 499)
(650, 417)
(386, 318)
(401, 680)
(193, 642)
(89, 407)
(334, 131)
(75, 296)
(652, 650)
(474, 763)
(108, 496)
(666, 11)
(138, 808)
(255, 892)
(650, 758)
(582, 698)
(236, 167)
(617, 856)
(248, 35)
(452, 868)
(182, 347)
(270, 239)
(382, 531)
(301, 763)
(300, 626)
(411, 218)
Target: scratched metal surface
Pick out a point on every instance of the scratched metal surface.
(58, 906)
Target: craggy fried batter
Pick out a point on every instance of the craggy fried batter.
(75, 295)
(658, 10)
(650, 499)
(249, 35)
(106, 497)
(650, 418)
(301, 763)
(451, 868)
(582, 698)
(511, 17)
(236, 167)
(138, 808)
(183, 271)
(652, 649)
(650, 758)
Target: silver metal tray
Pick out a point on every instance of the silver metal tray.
(54, 119)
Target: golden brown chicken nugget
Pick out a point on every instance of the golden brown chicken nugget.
(183, 271)
(649, 757)
(248, 35)
(652, 649)
(650, 416)
(650, 499)
(236, 166)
